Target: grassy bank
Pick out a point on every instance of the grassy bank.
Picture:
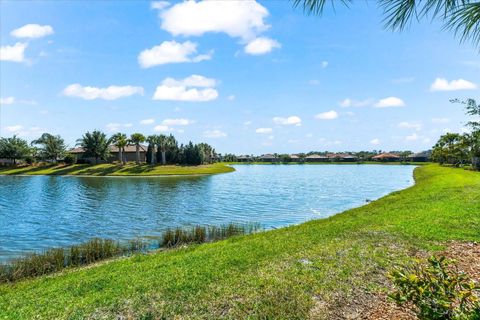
(290, 273)
(331, 162)
(116, 170)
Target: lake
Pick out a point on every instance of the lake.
(40, 212)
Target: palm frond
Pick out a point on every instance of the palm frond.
(316, 7)
(465, 22)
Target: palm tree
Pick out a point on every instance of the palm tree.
(136, 139)
(52, 147)
(95, 144)
(162, 143)
(460, 16)
(152, 142)
(120, 141)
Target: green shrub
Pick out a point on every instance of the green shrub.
(70, 159)
(436, 289)
(29, 159)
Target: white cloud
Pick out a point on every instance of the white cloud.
(231, 97)
(440, 120)
(115, 127)
(109, 93)
(264, 130)
(329, 115)
(426, 140)
(324, 64)
(292, 120)
(159, 5)
(15, 53)
(147, 121)
(442, 84)
(14, 129)
(412, 137)
(410, 125)
(7, 100)
(347, 102)
(171, 52)
(214, 134)
(32, 31)
(375, 141)
(187, 89)
(238, 19)
(261, 45)
(390, 102)
(247, 123)
(177, 122)
(161, 128)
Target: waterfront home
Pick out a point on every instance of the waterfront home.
(387, 157)
(347, 158)
(295, 158)
(129, 154)
(316, 158)
(244, 159)
(269, 158)
(420, 156)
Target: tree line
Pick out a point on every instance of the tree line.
(97, 145)
(461, 149)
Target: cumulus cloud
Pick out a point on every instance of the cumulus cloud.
(238, 19)
(442, 84)
(32, 31)
(177, 122)
(15, 53)
(159, 5)
(14, 129)
(347, 102)
(412, 137)
(171, 52)
(264, 130)
(261, 45)
(115, 127)
(214, 134)
(375, 141)
(24, 132)
(292, 120)
(390, 102)
(109, 93)
(410, 125)
(195, 88)
(147, 121)
(329, 115)
(161, 128)
(7, 100)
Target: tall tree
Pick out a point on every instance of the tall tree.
(164, 144)
(14, 148)
(51, 147)
(473, 139)
(120, 141)
(152, 142)
(137, 139)
(460, 16)
(96, 145)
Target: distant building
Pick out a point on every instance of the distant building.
(420, 157)
(269, 158)
(295, 158)
(244, 159)
(348, 158)
(386, 157)
(316, 158)
(129, 154)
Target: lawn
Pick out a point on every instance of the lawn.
(116, 170)
(289, 273)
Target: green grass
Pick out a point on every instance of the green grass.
(332, 162)
(289, 273)
(116, 170)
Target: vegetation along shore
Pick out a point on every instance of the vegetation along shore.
(312, 269)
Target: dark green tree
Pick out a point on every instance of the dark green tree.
(96, 145)
(50, 147)
(136, 139)
(14, 149)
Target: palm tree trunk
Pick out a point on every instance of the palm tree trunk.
(164, 159)
(137, 155)
(120, 155)
(152, 159)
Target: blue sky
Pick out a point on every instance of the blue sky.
(249, 77)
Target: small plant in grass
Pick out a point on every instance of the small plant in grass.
(436, 289)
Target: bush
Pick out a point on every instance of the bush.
(436, 290)
(70, 159)
(29, 160)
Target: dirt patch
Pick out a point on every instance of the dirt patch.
(363, 305)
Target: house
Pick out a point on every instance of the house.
(316, 158)
(348, 158)
(244, 158)
(269, 158)
(129, 154)
(420, 156)
(386, 157)
(295, 158)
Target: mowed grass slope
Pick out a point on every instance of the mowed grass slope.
(116, 170)
(290, 273)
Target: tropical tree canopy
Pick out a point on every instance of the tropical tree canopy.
(460, 16)
(13, 148)
(95, 144)
(51, 147)
(136, 139)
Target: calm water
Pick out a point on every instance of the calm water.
(42, 212)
